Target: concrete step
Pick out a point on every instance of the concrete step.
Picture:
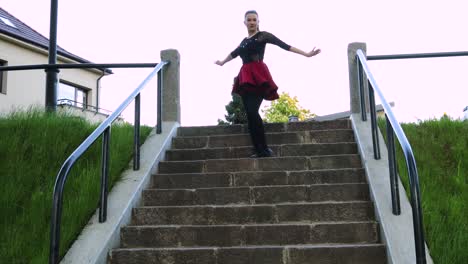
(252, 234)
(256, 195)
(238, 140)
(259, 213)
(298, 254)
(262, 164)
(269, 127)
(258, 178)
(211, 204)
(279, 151)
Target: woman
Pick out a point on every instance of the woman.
(254, 82)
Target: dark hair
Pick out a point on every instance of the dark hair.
(250, 12)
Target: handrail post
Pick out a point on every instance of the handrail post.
(373, 114)
(56, 214)
(392, 166)
(419, 239)
(136, 139)
(159, 102)
(171, 92)
(362, 96)
(354, 87)
(104, 175)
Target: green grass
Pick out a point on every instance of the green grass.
(441, 151)
(33, 146)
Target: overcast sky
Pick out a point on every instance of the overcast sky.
(207, 30)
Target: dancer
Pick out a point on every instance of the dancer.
(254, 82)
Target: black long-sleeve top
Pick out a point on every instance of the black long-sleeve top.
(253, 48)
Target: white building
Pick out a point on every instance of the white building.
(21, 45)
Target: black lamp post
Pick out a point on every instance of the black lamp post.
(51, 74)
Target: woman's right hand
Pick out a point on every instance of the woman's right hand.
(218, 62)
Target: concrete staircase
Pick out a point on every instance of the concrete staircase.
(210, 204)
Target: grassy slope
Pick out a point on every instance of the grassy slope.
(441, 151)
(32, 149)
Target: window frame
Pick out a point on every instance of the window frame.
(8, 22)
(77, 88)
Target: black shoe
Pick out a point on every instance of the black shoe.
(263, 154)
(268, 152)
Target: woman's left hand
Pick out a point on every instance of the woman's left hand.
(313, 52)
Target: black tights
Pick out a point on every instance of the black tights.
(252, 104)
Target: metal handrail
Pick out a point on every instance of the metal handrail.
(56, 67)
(393, 127)
(77, 66)
(102, 129)
(69, 102)
(418, 55)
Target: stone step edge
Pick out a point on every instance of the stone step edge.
(288, 172)
(289, 157)
(302, 246)
(267, 133)
(193, 180)
(255, 224)
(253, 205)
(262, 164)
(258, 187)
(284, 252)
(271, 145)
(274, 125)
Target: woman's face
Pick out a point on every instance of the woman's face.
(251, 22)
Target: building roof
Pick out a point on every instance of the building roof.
(20, 31)
(344, 115)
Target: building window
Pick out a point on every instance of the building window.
(3, 78)
(72, 94)
(7, 21)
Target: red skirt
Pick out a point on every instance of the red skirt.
(254, 77)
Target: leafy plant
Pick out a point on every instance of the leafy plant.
(235, 112)
(280, 110)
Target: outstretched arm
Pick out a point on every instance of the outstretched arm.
(227, 59)
(270, 38)
(307, 54)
